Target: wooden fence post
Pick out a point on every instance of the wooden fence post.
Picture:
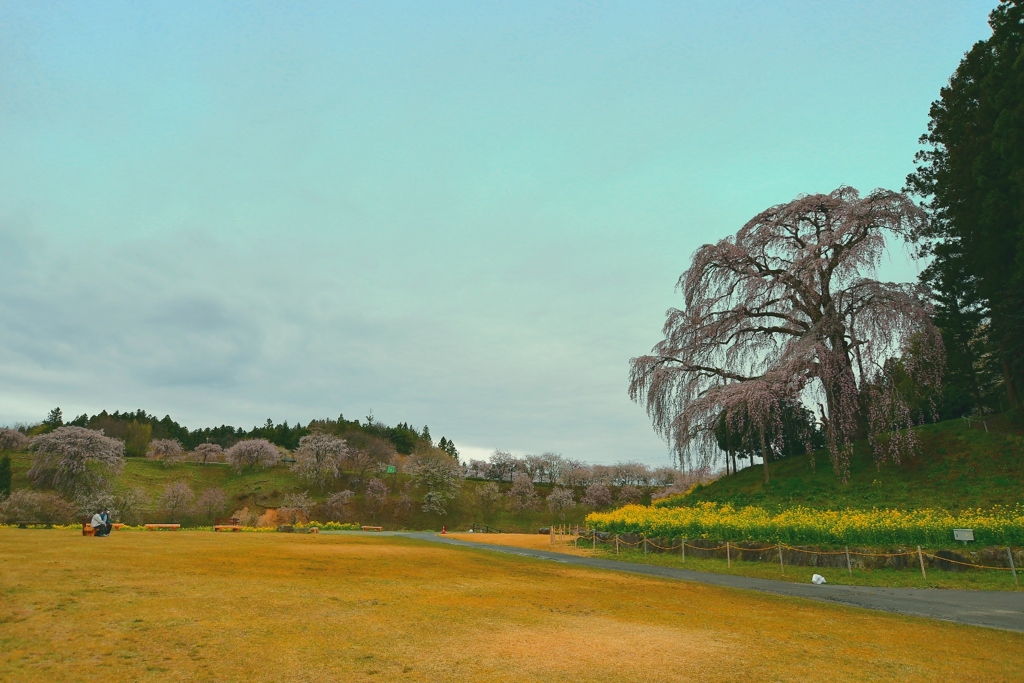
(552, 534)
(645, 545)
(594, 532)
(616, 544)
(849, 567)
(781, 566)
(728, 555)
(682, 549)
(1013, 569)
(921, 558)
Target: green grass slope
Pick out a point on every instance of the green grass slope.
(957, 467)
(262, 489)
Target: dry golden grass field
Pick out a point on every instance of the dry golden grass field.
(201, 606)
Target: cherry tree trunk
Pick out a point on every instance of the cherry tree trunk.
(764, 456)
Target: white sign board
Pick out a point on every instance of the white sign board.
(963, 534)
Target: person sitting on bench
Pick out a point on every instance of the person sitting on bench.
(102, 528)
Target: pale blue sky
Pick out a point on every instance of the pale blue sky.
(467, 215)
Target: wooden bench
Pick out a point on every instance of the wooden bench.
(373, 528)
(226, 527)
(87, 529)
(154, 527)
(25, 525)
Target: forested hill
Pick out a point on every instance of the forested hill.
(138, 428)
(958, 465)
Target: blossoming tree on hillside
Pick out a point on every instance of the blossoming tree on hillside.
(76, 461)
(789, 310)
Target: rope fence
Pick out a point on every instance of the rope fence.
(729, 548)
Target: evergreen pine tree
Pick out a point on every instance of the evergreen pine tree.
(5, 476)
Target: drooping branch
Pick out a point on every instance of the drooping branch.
(788, 309)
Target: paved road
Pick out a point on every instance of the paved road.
(994, 609)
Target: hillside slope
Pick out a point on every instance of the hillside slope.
(262, 489)
(958, 466)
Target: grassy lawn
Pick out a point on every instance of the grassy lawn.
(276, 607)
(957, 467)
(889, 578)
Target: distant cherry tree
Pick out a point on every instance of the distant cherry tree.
(295, 508)
(252, 453)
(176, 498)
(128, 505)
(75, 461)
(597, 496)
(560, 500)
(488, 498)
(12, 440)
(440, 477)
(629, 495)
(319, 458)
(36, 506)
(169, 451)
(376, 496)
(206, 452)
(337, 505)
(211, 502)
(522, 495)
(789, 309)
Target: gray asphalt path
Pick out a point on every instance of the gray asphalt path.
(993, 609)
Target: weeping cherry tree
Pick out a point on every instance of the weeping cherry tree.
(790, 310)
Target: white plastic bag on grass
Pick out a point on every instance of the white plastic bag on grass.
(818, 579)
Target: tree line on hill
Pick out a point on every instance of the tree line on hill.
(354, 468)
(137, 429)
(787, 340)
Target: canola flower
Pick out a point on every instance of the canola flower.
(998, 526)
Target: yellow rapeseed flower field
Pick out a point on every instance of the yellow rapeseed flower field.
(997, 526)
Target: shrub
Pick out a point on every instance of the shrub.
(76, 461)
(207, 452)
(176, 498)
(37, 506)
(167, 450)
(252, 453)
(12, 440)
